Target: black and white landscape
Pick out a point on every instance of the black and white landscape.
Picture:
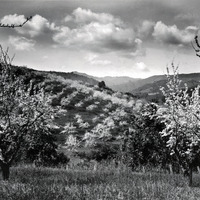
(99, 99)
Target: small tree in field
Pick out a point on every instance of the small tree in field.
(22, 112)
(142, 143)
(182, 123)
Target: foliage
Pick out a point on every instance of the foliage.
(101, 151)
(181, 117)
(142, 142)
(23, 111)
(102, 84)
(42, 150)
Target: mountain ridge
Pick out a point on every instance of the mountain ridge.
(135, 85)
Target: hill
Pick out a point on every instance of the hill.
(150, 87)
(120, 83)
(77, 76)
(142, 86)
(82, 109)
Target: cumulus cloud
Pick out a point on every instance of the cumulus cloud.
(96, 32)
(80, 15)
(36, 26)
(21, 43)
(93, 59)
(99, 32)
(13, 19)
(173, 35)
(142, 67)
(96, 35)
(146, 28)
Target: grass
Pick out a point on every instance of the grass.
(106, 183)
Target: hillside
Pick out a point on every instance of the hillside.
(77, 77)
(82, 110)
(120, 83)
(142, 87)
(150, 88)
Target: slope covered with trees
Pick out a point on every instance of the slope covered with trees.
(102, 124)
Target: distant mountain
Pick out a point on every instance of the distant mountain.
(150, 87)
(143, 87)
(153, 83)
(119, 83)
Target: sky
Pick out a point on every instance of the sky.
(135, 38)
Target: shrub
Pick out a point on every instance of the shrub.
(43, 151)
(101, 152)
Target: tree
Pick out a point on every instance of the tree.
(102, 84)
(42, 149)
(22, 112)
(142, 142)
(181, 117)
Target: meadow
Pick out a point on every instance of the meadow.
(103, 183)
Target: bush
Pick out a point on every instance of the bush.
(43, 151)
(143, 143)
(101, 152)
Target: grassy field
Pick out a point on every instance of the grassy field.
(29, 183)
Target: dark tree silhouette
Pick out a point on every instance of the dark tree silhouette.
(102, 84)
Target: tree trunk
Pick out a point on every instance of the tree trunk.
(170, 169)
(198, 169)
(190, 176)
(5, 171)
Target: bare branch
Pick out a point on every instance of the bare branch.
(14, 25)
(197, 41)
(197, 48)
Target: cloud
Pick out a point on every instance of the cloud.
(84, 30)
(99, 32)
(21, 43)
(80, 15)
(189, 18)
(142, 67)
(93, 60)
(146, 28)
(172, 35)
(36, 26)
(13, 19)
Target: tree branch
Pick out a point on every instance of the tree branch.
(15, 26)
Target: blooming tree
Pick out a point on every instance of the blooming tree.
(182, 122)
(23, 111)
